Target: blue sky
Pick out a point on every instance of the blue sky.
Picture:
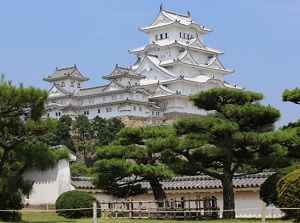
(260, 39)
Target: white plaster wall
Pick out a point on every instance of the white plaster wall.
(247, 203)
(48, 185)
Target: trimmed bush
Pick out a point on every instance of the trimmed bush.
(268, 192)
(73, 200)
(288, 189)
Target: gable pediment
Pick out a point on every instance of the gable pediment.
(150, 67)
(186, 57)
(56, 91)
(215, 63)
(197, 44)
(113, 86)
(162, 91)
(161, 19)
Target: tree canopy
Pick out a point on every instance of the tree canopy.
(20, 125)
(132, 158)
(236, 137)
(292, 95)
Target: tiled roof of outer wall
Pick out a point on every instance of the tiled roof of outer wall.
(190, 182)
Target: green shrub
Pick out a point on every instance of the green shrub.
(268, 192)
(288, 189)
(10, 201)
(73, 200)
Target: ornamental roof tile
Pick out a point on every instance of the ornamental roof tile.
(63, 73)
(190, 182)
(166, 18)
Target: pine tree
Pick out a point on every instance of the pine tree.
(20, 149)
(237, 133)
(132, 158)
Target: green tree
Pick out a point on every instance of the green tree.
(93, 133)
(63, 132)
(83, 128)
(132, 158)
(238, 133)
(105, 130)
(20, 123)
(79, 170)
(292, 95)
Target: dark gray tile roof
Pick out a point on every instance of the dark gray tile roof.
(82, 183)
(190, 182)
(66, 73)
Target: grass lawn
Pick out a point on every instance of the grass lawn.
(29, 216)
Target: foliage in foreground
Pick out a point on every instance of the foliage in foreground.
(134, 157)
(268, 192)
(238, 134)
(73, 200)
(20, 148)
(288, 189)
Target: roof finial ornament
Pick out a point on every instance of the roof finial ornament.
(189, 14)
(56, 68)
(75, 65)
(161, 7)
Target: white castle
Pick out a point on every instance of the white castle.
(173, 65)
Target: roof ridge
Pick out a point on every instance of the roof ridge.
(94, 87)
(174, 13)
(66, 68)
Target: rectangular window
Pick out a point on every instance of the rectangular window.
(166, 35)
(134, 108)
(99, 110)
(140, 108)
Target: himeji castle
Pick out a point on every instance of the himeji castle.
(155, 89)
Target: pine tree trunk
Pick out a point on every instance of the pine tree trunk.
(228, 196)
(158, 191)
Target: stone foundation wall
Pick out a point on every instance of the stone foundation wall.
(169, 118)
(131, 121)
(173, 116)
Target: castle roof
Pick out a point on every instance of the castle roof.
(66, 73)
(186, 58)
(194, 43)
(167, 18)
(122, 72)
(156, 62)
